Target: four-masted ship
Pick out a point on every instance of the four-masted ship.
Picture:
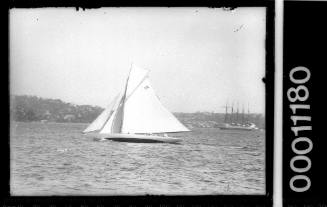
(237, 121)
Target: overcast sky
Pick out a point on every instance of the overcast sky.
(199, 58)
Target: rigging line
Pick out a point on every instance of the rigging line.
(138, 85)
(118, 111)
(123, 100)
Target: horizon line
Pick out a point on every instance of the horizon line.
(67, 102)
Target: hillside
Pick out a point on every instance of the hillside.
(32, 108)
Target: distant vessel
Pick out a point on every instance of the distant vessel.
(231, 124)
(136, 114)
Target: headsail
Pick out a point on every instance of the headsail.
(99, 122)
(111, 124)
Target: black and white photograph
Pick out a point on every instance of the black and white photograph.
(137, 101)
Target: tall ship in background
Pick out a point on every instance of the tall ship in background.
(237, 121)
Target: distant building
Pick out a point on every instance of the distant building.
(69, 117)
(47, 115)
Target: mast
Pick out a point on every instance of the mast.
(232, 113)
(237, 114)
(242, 113)
(248, 119)
(118, 120)
(123, 99)
(226, 113)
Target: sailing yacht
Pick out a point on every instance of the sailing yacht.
(136, 114)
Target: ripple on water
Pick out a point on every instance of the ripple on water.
(57, 160)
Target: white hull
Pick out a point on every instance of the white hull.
(236, 127)
(138, 138)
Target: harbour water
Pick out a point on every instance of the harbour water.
(56, 159)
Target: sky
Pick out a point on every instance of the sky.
(199, 58)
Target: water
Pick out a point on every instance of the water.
(56, 159)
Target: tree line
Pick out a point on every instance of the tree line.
(33, 108)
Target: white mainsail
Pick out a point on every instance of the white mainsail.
(138, 110)
(143, 113)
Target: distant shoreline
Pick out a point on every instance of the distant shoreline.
(49, 122)
(33, 109)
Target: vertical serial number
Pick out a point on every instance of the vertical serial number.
(297, 97)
